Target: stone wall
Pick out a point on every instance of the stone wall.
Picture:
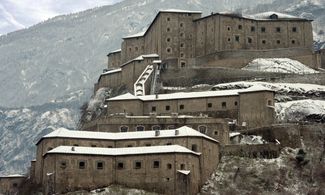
(252, 151)
(114, 60)
(10, 185)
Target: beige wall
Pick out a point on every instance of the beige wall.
(162, 179)
(257, 109)
(114, 60)
(110, 80)
(10, 185)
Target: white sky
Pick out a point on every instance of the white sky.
(17, 14)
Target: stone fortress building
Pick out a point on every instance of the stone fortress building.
(171, 143)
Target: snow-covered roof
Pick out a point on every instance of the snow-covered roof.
(185, 172)
(141, 57)
(179, 11)
(268, 16)
(115, 51)
(182, 132)
(112, 71)
(12, 176)
(188, 95)
(121, 151)
(233, 134)
(140, 34)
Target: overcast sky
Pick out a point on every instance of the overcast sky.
(17, 14)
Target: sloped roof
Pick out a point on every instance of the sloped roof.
(115, 51)
(141, 57)
(121, 151)
(182, 132)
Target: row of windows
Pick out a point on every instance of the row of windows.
(250, 40)
(124, 128)
(136, 48)
(100, 165)
(182, 106)
(263, 29)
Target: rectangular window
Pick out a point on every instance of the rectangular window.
(100, 165)
(167, 107)
(156, 164)
(237, 38)
(209, 105)
(120, 165)
(278, 29)
(263, 29)
(153, 108)
(169, 166)
(181, 107)
(294, 29)
(252, 28)
(137, 165)
(249, 40)
(224, 105)
(182, 166)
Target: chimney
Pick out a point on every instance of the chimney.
(72, 148)
(176, 132)
(157, 133)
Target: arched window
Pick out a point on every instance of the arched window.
(140, 128)
(203, 129)
(124, 128)
(156, 127)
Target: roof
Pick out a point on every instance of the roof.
(184, 172)
(189, 95)
(141, 34)
(115, 51)
(109, 72)
(141, 57)
(265, 16)
(12, 176)
(121, 151)
(182, 132)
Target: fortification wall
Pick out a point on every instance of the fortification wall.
(252, 151)
(322, 58)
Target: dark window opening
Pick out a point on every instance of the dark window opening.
(129, 146)
(228, 28)
(249, 40)
(203, 129)
(82, 165)
(182, 54)
(278, 41)
(156, 164)
(181, 107)
(229, 39)
(168, 144)
(182, 166)
(120, 165)
(171, 127)
(181, 24)
(263, 41)
(269, 102)
(278, 29)
(168, 19)
(263, 29)
(240, 27)
(148, 144)
(293, 41)
(136, 49)
(75, 145)
(182, 44)
(252, 28)
(153, 108)
(169, 50)
(194, 148)
(237, 38)
(140, 128)
(137, 165)
(100, 165)
(156, 127)
(216, 133)
(209, 105)
(294, 29)
(224, 105)
(189, 14)
(236, 103)
(93, 145)
(109, 146)
(15, 185)
(124, 129)
(183, 64)
(181, 34)
(167, 107)
(168, 29)
(169, 166)
(63, 165)
(168, 40)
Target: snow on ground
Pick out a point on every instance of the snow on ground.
(280, 65)
(280, 88)
(113, 190)
(293, 111)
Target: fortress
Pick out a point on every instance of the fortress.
(171, 143)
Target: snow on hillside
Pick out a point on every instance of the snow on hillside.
(114, 190)
(294, 111)
(279, 88)
(21, 128)
(280, 65)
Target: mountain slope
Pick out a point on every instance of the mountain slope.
(67, 53)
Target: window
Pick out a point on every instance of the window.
(168, 144)
(216, 132)
(224, 105)
(100, 165)
(137, 165)
(171, 127)
(153, 109)
(63, 164)
(130, 49)
(181, 107)
(49, 148)
(240, 27)
(194, 147)
(156, 127)
(169, 166)
(181, 24)
(82, 164)
(168, 29)
(252, 28)
(269, 102)
(167, 107)
(120, 165)
(182, 55)
(294, 29)
(182, 166)
(156, 164)
(263, 42)
(129, 146)
(249, 40)
(147, 144)
(15, 185)
(209, 105)
(136, 49)
(202, 129)
(228, 28)
(278, 29)
(183, 64)
(263, 29)
(168, 19)
(293, 41)
(189, 14)
(93, 145)
(168, 39)
(124, 128)
(75, 145)
(169, 50)
(237, 38)
(236, 103)
(140, 128)
(229, 39)
(109, 146)
(278, 41)
(182, 45)
(181, 34)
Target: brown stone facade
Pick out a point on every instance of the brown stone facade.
(10, 184)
